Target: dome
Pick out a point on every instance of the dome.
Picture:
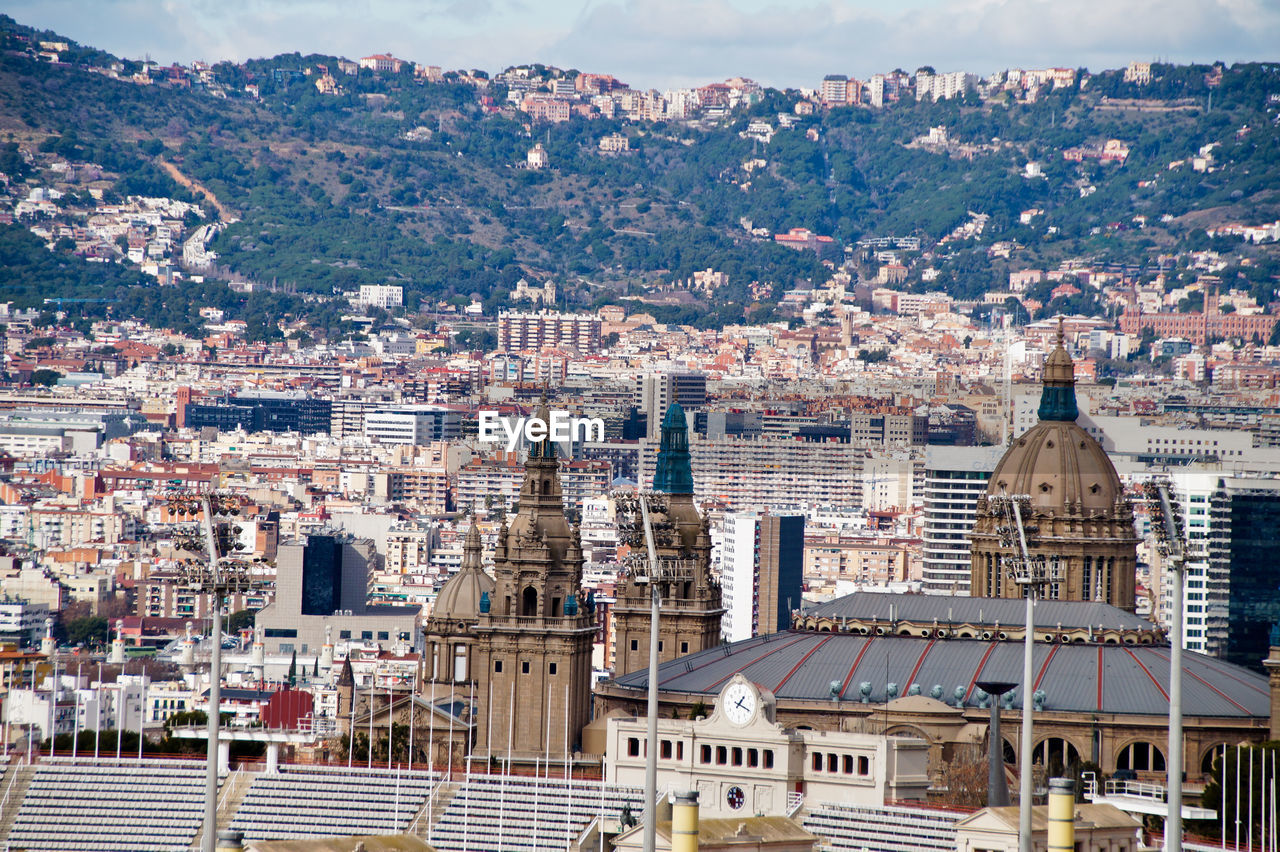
(459, 597)
(1061, 467)
(1056, 462)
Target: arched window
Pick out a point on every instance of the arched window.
(529, 601)
(1056, 754)
(1141, 757)
(1211, 757)
(1010, 754)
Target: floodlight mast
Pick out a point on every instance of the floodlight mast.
(1030, 574)
(651, 749)
(1170, 543)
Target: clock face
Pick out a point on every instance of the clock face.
(739, 703)
(735, 797)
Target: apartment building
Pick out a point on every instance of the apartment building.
(954, 479)
(519, 331)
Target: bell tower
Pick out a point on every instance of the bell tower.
(534, 636)
(691, 609)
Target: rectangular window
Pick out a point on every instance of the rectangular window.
(817, 762)
(684, 647)
(722, 755)
(753, 757)
(680, 750)
(280, 633)
(635, 644)
(768, 758)
(705, 756)
(659, 646)
(864, 765)
(366, 634)
(737, 755)
(633, 746)
(524, 667)
(497, 666)
(384, 635)
(665, 753)
(831, 763)
(286, 647)
(344, 634)
(846, 765)
(551, 668)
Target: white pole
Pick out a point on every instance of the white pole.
(373, 682)
(1173, 816)
(210, 830)
(431, 756)
(351, 722)
(53, 708)
(1028, 687)
(413, 705)
(75, 723)
(651, 748)
(1237, 800)
(450, 744)
(568, 773)
(142, 720)
(1222, 787)
(391, 725)
(488, 748)
(97, 714)
(502, 792)
(1250, 823)
(466, 803)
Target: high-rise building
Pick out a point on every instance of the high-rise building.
(761, 573)
(535, 635)
(691, 609)
(655, 392)
(954, 480)
(322, 581)
(1232, 587)
(1083, 523)
(519, 331)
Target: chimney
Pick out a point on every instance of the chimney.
(684, 823)
(1062, 815)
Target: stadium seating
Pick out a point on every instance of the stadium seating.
(848, 827)
(132, 806)
(517, 814)
(308, 801)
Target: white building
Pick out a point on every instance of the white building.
(742, 761)
(954, 479)
(415, 426)
(22, 621)
(383, 296)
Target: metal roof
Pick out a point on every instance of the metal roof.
(1077, 677)
(966, 610)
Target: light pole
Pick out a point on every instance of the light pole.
(217, 576)
(658, 572)
(1170, 544)
(1029, 573)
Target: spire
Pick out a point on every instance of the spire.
(348, 676)
(674, 471)
(471, 548)
(1058, 398)
(545, 448)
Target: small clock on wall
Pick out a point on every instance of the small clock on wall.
(739, 702)
(735, 797)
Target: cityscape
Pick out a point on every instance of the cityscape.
(404, 457)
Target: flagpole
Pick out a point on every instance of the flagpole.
(449, 748)
(391, 725)
(1250, 837)
(97, 715)
(568, 773)
(502, 792)
(142, 716)
(431, 755)
(75, 723)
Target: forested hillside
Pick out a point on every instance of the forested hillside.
(420, 183)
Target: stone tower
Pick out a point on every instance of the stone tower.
(690, 614)
(533, 645)
(1078, 506)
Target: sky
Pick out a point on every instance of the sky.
(670, 43)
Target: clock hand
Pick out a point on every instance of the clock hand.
(740, 700)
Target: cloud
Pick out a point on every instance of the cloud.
(662, 43)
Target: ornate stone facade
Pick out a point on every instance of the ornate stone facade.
(690, 613)
(1079, 522)
(532, 660)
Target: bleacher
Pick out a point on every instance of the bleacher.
(310, 801)
(848, 827)
(497, 814)
(133, 806)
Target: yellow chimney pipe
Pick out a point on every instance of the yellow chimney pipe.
(1062, 815)
(684, 823)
